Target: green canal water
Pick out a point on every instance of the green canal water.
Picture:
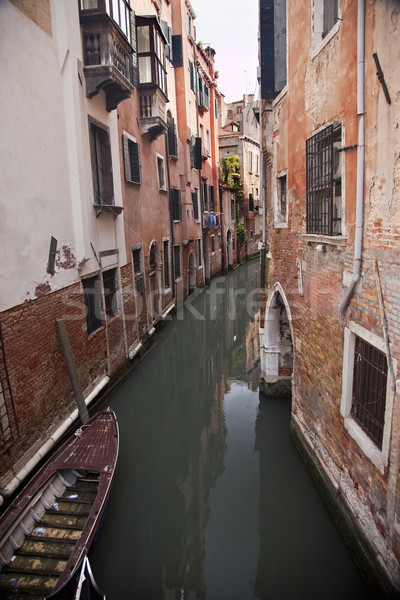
(211, 500)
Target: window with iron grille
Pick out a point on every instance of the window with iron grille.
(369, 389)
(92, 297)
(323, 182)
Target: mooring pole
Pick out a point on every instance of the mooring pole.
(69, 359)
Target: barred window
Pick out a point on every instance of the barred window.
(369, 389)
(323, 182)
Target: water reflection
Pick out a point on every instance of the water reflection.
(207, 503)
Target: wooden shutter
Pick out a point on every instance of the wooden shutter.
(177, 56)
(197, 153)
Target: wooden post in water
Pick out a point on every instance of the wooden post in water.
(69, 359)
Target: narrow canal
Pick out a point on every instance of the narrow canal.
(211, 500)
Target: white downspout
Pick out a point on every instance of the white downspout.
(360, 154)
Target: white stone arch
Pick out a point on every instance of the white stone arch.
(276, 350)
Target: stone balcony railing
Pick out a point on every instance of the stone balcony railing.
(106, 54)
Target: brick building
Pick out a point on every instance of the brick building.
(110, 162)
(330, 324)
(239, 134)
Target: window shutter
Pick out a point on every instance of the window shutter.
(176, 204)
(133, 58)
(135, 162)
(192, 77)
(127, 163)
(167, 33)
(195, 206)
(177, 57)
(197, 154)
(132, 167)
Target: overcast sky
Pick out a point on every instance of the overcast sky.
(231, 28)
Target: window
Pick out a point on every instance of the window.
(132, 166)
(161, 173)
(325, 22)
(369, 389)
(137, 263)
(151, 53)
(203, 93)
(323, 181)
(330, 15)
(257, 164)
(172, 138)
(100, 152)
(110, 284)
(213, 244)
(208, 142)
(176, 204)
(250, 161)
(251, 202)
(196, 153)
(212, 201)
(189, 24)
(205, 195)
(166, 264)
(367, 397)
(280, 201)
(217, 113)
(195, 200)
(177, 261)
(118, 10)
(232, 208)
(200, 252)
(92, 296)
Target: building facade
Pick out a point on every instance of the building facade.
(239, 135)
(329, 329)
(111, 160)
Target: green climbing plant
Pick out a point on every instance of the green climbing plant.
(230, 176)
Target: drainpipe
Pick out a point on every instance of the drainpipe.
(360, 155)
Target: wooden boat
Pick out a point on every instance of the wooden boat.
(80, 586)
(46, 531)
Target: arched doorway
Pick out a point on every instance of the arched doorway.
(229, 248)
(277, 346)
(192, 273)
(155, 281)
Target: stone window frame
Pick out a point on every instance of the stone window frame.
(319, 38)
(280, 218)
(379, 457)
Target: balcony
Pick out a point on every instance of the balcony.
(153, 117)
(106, 55)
